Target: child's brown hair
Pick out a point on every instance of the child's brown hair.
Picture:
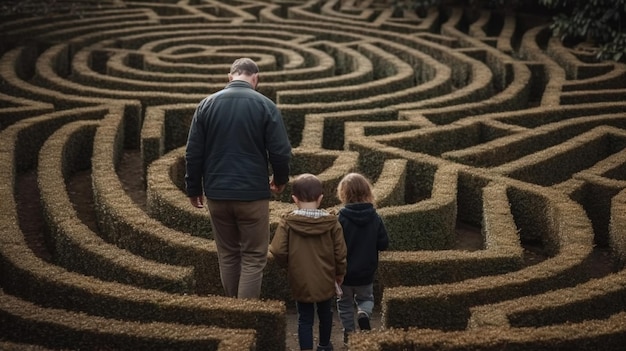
(354, 188)
(307, 187)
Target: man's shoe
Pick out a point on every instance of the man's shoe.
(364, 321)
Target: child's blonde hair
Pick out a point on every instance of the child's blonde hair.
(354, 188)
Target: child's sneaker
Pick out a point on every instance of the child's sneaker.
(328, 347)
(364, 321)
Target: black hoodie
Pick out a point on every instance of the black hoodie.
(365, 235)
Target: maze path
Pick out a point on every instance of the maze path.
(458, 117)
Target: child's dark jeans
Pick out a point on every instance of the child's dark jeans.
(306, 317)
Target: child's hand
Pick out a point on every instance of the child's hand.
(338, 290)
(339, 279)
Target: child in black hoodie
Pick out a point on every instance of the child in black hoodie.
(365, 235)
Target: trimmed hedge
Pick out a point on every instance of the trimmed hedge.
(29, 277)
(76, 246)
(603, 334)
(58, 328)
(458, 117)
(446, 306)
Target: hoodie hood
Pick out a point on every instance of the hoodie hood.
(310, 226)
(361, 214)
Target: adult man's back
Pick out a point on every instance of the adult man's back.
(234, 136)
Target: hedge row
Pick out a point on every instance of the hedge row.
(446, 306)
(76, 246)
(551, 174)
(63, 329)
(602, 334)
(28, 277)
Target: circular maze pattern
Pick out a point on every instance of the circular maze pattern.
(470, 124)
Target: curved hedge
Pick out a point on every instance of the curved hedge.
(468, 124)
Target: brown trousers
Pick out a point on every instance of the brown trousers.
(241, 232)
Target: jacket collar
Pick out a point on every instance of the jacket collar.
(239, 84)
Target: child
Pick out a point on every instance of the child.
(309, 242)
(365, 235)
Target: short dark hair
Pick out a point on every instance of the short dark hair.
(245, 66)
(307, 187)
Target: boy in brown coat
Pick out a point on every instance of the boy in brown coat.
(309, 242)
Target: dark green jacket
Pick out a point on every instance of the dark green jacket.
(234, 136)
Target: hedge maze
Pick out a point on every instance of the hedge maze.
(469, 123)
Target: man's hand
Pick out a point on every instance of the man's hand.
(276, 189)
(196, 201)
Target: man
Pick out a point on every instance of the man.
(233, 136)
